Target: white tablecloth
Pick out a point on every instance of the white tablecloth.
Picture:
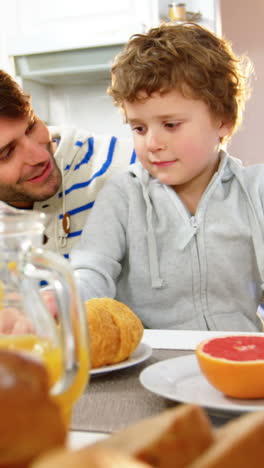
(78, 439)
(181, 339)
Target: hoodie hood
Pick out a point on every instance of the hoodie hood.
(255, 221)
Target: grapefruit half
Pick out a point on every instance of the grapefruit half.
(234, 364)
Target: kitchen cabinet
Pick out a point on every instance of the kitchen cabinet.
(60, 39)
(56, 25)
(7, 14)
(62, 52)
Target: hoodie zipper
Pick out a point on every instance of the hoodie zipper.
(195, 228)
(194, 224)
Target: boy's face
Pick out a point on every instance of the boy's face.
(28, 171)
(176, 139)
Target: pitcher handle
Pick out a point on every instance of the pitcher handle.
(51, 267)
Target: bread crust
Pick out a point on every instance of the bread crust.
(239, 444)
(164, 440)
(180, 437)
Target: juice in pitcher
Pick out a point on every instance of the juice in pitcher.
(38, 348)
(61, 345)
(51, 356)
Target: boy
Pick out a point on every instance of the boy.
(184, 240)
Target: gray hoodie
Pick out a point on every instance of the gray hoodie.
(142, 247)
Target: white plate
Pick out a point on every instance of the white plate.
(180, 379)
(141, 353)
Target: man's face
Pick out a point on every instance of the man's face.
(28, 171)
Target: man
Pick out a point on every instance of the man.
(57, 170)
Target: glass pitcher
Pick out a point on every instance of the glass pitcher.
(60, 344)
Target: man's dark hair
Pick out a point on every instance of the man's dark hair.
(14, 103)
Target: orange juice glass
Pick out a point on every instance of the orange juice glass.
(51, 356)
(62, 348)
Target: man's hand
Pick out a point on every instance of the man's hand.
(14, 322)
(50, 301)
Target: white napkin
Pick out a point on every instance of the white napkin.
(181, 339)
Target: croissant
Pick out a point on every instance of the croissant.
(115, 331)
(30, 422)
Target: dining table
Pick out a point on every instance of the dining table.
(116, 399)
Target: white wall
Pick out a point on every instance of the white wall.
(40, 98)
(242, 23)
(87, 107)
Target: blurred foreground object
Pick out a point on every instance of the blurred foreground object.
(31, 422)
(181, 437)
(89, 458)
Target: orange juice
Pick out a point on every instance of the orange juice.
(71, 395)
(51, 356)
(40, 348)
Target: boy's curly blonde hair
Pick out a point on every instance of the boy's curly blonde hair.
(188, 58)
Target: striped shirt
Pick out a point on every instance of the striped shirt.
(85, 161)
